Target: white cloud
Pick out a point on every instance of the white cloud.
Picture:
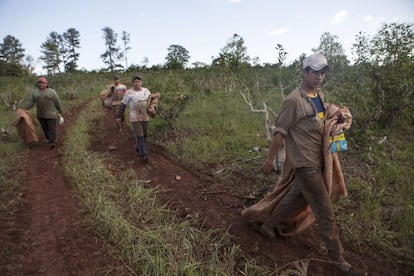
(234, 1)
(372, 20)
(368, 18)
(276, 32)
(340, 17)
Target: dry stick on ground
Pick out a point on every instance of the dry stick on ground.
(12, 105)
(220, 192)
(269, 128)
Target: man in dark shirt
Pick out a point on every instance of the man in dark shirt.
(48, 108)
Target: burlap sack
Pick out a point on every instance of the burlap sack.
(26, 125)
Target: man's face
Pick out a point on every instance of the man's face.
(314, 79)
(41, 85)
(137, 83)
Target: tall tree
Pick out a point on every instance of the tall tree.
(281, 57)
(53, 53)
(393, 43)
(333, 50)
(361, 49)
(71, 40)
(125, 40)
(145, 62)
(281, 54)
(393, 55)
(234, 54)
(29, 64)
(112, 56)
(11, 50)
(177, 57)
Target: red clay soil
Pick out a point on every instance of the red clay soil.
(46, 235)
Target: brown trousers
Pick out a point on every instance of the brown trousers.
(309, 188)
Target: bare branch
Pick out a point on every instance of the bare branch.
(249, 103)
(269, 126)
(12, 105)
(4, 131)
(5, 97)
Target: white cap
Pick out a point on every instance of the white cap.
(316, 62)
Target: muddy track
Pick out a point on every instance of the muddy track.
(46, 235)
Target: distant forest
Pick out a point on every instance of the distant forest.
(60, 52)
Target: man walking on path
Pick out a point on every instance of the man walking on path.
(303, 187)
(49, 109)
(141, 108)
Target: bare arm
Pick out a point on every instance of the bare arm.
(277, 141)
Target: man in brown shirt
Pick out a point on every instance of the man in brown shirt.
(300, 124)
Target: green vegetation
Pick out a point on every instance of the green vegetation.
(205, 124)
(147, 236)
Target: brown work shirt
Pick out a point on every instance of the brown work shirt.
(300, 125)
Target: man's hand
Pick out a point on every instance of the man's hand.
(339, 116)
(119, 123)
(267, 166)
(151, 111)
(277, 140)
(61, 120)
(111, 92)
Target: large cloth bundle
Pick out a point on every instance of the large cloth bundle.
(153, 104)
(26, 126)
(105, 97)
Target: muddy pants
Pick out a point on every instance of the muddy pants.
(309, 188)
(140, 130)
(115, 109)
(49, 128)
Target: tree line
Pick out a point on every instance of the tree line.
(60, 52)
(378, 84)
(380, 79)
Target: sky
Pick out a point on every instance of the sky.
(202, 27)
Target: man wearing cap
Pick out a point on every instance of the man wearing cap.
(117, 91)
(300, 125)
(139, 100)
(48, 108)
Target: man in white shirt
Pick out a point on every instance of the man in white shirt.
(138, 99)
